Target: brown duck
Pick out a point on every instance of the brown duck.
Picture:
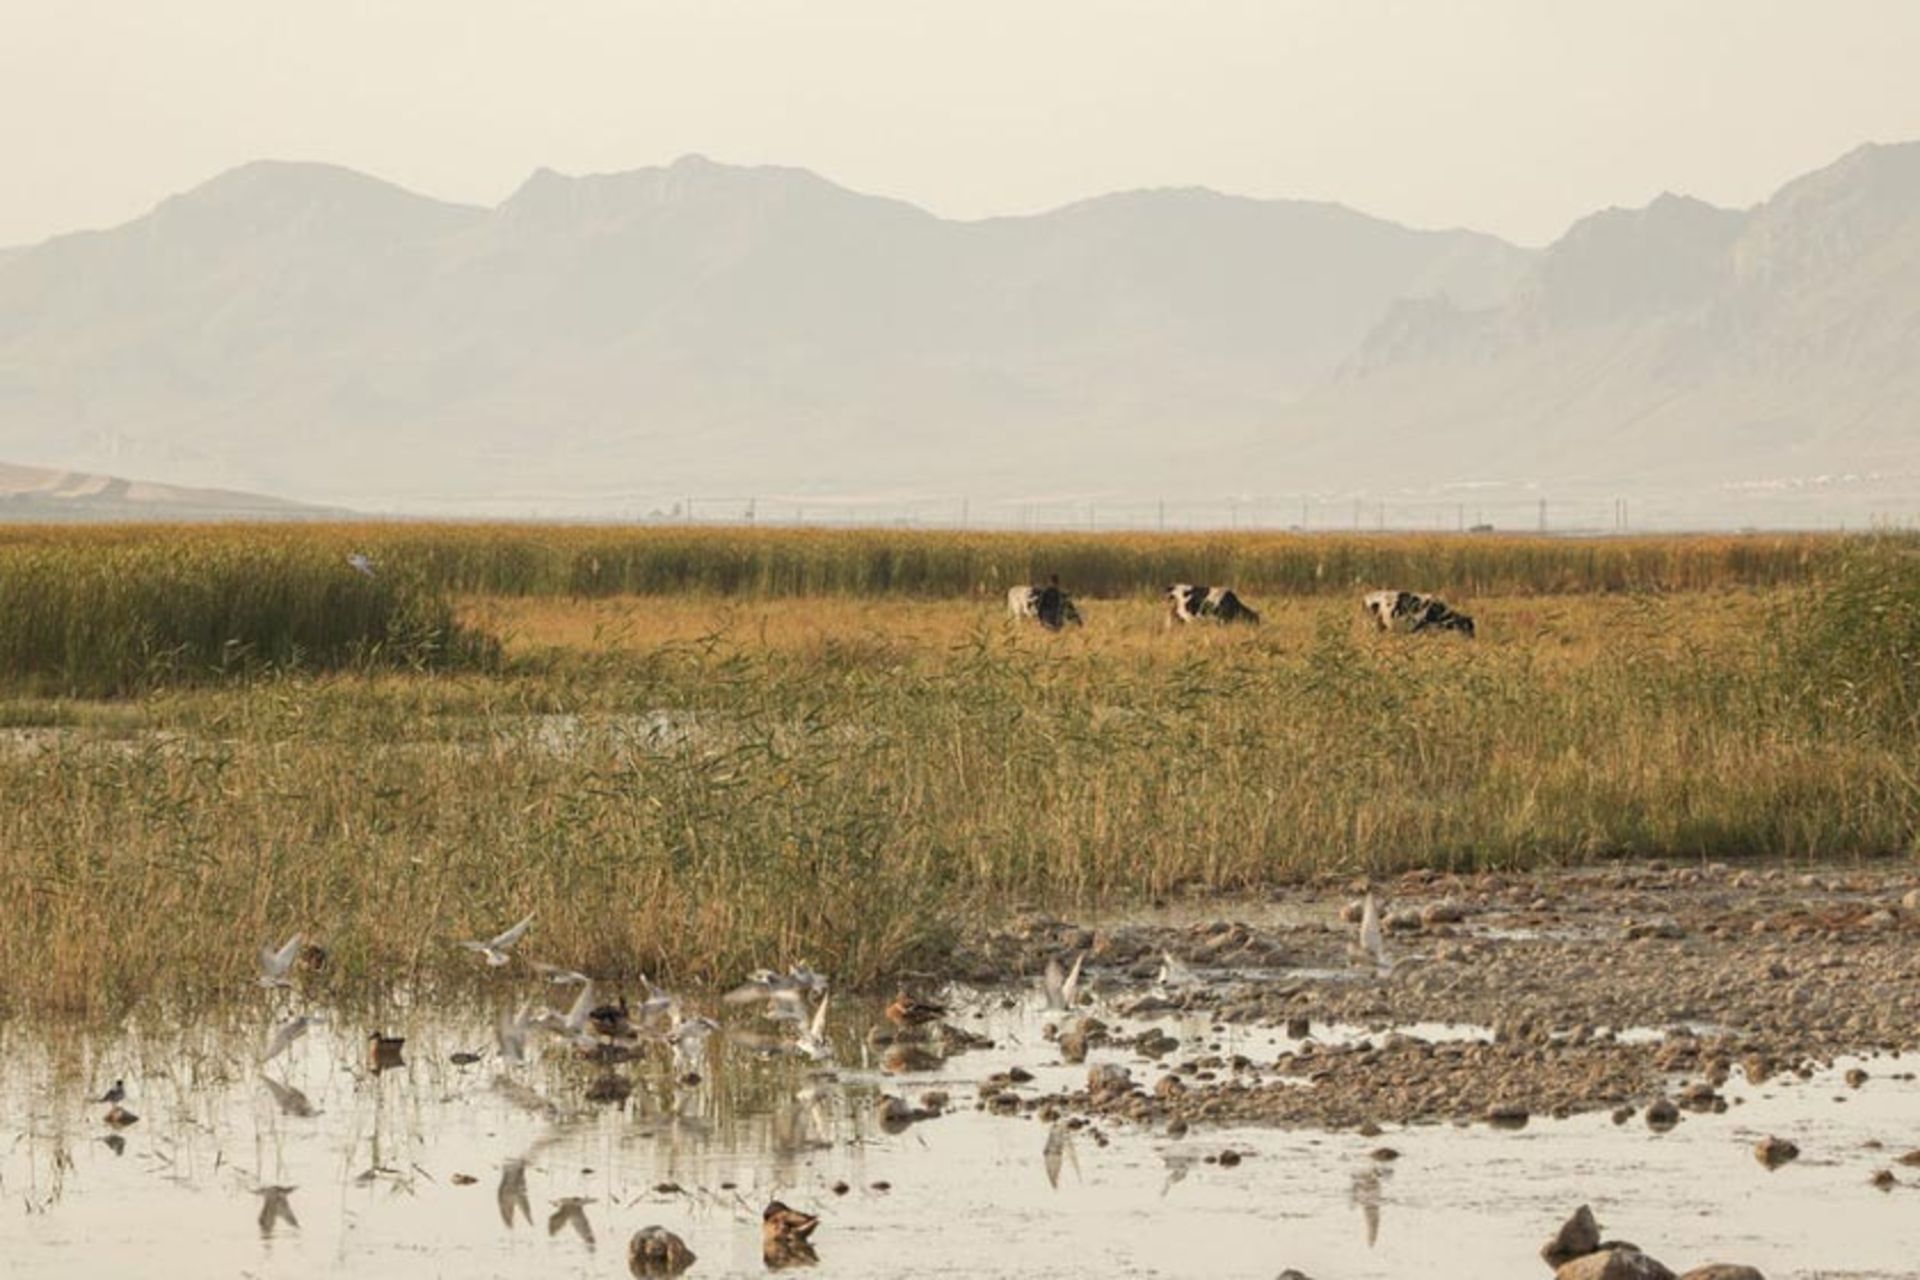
(784, 1226)
(907, 1011)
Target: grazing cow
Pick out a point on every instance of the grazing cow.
(1048, 605)
(1414, 611)
(1188, 603)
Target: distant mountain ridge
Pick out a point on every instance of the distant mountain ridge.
(39, 494)
(309, 330)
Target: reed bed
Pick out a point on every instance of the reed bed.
(82, 614)
(527, 560)
(809, 783)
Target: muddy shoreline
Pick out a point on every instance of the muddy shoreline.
(1551, 994)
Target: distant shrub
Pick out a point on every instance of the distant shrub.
(112, 617)
(1857, 638)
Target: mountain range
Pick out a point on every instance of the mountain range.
(603, 343)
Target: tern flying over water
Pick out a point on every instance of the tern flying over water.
(275, 965)
(275, 1209)
(495, 949)
(1062, 989)
(290, 1100)
(558, 975)
(511, 1195)
(512, 1034)
(571, 1211)
(286, 1033)
(689, 1041)
(813, 1041)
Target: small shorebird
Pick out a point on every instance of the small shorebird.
(119, 1117)
(908, 1011)
(275, 965)
(1062, 989)
(1174, 972)
(496, 948)
(116, 1094)
(1372, 948)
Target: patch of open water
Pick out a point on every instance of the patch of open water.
(381, 1162)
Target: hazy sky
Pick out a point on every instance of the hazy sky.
(1513, 116)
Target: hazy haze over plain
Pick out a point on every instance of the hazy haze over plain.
(1509, 116)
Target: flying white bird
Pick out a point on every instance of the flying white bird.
(362, 564)
(276, 965)
(495, 949)
(1059, 1150)
(274, 1208)
(287, 1032)
(290, 1100)
(512, 1034)
(813, 1041)
(1062, 989)
(511, 1194)
(689, 1041)
(572, 1210)
(558, 975)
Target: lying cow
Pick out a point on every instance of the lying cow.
(1188, 603)
(1048, 605)
(1414, 611)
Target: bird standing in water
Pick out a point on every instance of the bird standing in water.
(908, 1011)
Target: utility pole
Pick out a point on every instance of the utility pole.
(1543, 515)
(1163, 515)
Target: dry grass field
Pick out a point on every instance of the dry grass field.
(209, 742)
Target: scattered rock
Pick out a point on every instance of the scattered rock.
(1622, 1262)
(1722, 1271)
(1774, 1152)
(1508, 1115)
(1662, 1115)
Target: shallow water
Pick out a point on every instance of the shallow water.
(968, 1194)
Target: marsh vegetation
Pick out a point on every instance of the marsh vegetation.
(695, 753)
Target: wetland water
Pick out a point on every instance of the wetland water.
(381, 1165)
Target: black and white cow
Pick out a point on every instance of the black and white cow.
(1188, 603)
(1048, 605)
(1414, 611)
